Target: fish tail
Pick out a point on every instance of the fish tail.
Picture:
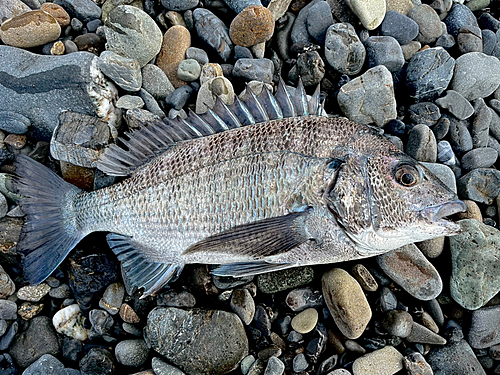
(50, 231)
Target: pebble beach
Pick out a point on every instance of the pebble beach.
(77, 74)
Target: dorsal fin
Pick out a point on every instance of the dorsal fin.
(140, 146)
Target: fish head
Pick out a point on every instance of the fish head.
(389, 200)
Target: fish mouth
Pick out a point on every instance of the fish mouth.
(438, 214)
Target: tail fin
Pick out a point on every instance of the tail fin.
(46, 237)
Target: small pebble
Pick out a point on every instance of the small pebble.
(300, 363)
(305, 321)
(274, 367)
(422, 144)
(364, 278)
(132, 353)
(385, 361)
(398, 323)
(423, 335)
(213, 32)
(254, 70)
(429, 24)
(483, 157)
(69, 321)
(175, 298)
(426, 113)
(399, 26)
(384, 50)
(112, 298)
(60, 15)
(28, 310)
(33, 293)
(243, 305)
(188, 70)
(130, 102)
(343, 49)
(300, 299)
(456, 104)
(252, 26)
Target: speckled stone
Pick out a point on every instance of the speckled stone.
(61, 16)
(30, 29)
(132, 353)
(176, 41)
(455, 358)
(252, 26)
(156, 82)
(243, 305)
(485, 327)
(33, 293)
(385, 361)
(347, 302)
(254, 70)
(274, 282)
(459, 16)
(399, 26)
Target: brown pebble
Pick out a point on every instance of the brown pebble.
(90, 42)
(252, 26)
(128, 314)
(58, 48)
(30, 29)
(78, 176)
(16, 141)
(473, 211)
(175, 18)
(176, 41)
(365, 278)
(61, 16)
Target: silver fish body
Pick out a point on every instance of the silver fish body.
(288, 192)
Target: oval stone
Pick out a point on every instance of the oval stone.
(58, 12)
(176, 41)
(30, 29)
(252, 26)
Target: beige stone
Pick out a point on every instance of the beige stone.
(176, 41)
(58, 12)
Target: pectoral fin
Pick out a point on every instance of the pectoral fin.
(258, 239)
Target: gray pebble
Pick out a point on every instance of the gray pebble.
(4, 206)
(8, 337)
(156, 82)
(76, 24)
(493, 143)
(470, 39)
(162, 368)
(399, 26)
(132, 353)
(93, 25)
(428, 22)
(179, 97)
(459, 16)
(415, 364)
(387, 300)
(130, 102)
(70, 47)
(489, 41)
(454, 358)
(197, 54)
(303, 298)
(3, 327)
(444, 173)
(173, 298)
(294, 336)
(429, 72)
(459, 135)
(47, 364)
(274, 367)
(410, 49)
(283, 39)
(243, 305)
(422, 144)
(125, 72)
(8, 309)
(13, 122)
(423, 335)
(84, 10)
(384, 50)
(456, 104)
(425, 113)
(487, 21)
(485, 327)
(61, 292)
(239, 5)
(101, 323)
(213, 32)
(446, 41)
(481, 124)
(254, 70)
(242, 53)
(132, 329)
(151, 103)
(179, 5)
(300, 363)
(398, 323)
(483, 157)
(188, 70)
(480, 185)
(299, 32)
(343, 49)
(319, 19)
(112, 298)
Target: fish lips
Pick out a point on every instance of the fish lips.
(436, 215)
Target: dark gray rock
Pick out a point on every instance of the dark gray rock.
(173, 298)
(151, 103)
(446, 41)
(40, 338)
(429, 73)
(243, 305)
(384, 50)
(242, 53)
(300, 363)
(470, 39)
(13, 122)
(459, 135)
(179, 97)
(480, 128)
(387, 300)
(8, 337)
(72, 349)
(179, 5)
(310, 68)
(101, 323)
(459, 16)
(254, 70)
(422, 144)
(162, 368)
(40, 87)
(84, 10)
(299, 32)
(8, 309)
(319, 19)
(456, 358)
(456, 104)
(485, 327)
(213, 32)
(429, 24)
(489, 41)
(112, 298)
(123, 71)
(483, 157)
(132, 353)
(47, 364)
(7, 366)
(156, 82)
(487, 21)
(399, 26)
(343, 49)
(93, 25)
(480, 185)
(426, 113)
(197, 341)
(198, 54)
(98, 361)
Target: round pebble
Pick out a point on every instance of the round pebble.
(129, 102)
(422, 144)
(179, 5)
(243, 305)
(188, 70)
(398, 323)
(132, 353)
(386, 361)
(343, 49)
(319, 19)
(365, 278)
(253, 25)
(384, 50)
(305, 321)
(483, 157)
(459, 16)
(399, 26)
(428, 21)
(213, 32)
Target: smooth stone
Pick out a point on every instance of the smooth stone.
(90, 42)
(300, 363)
(485, 327)
(441, 129)
(12, 8)
(480, 128)
(343, 49)
(215, 87)
(174, 298)
(109, 5)
(242, 53)
(459, 16)
(7, 286)
(376, 84)
(279, 281)
(213, 32)
(252, 26)
(8, 309)
(410, 49)
(13, 122)
(151, 103)
(399, 26)
(47, 364)
(456, 104)
(475, 257)
(69, 321)
(216, 343)
(156, 82)
(429, 73)
(209, 71)
(434, 309)
(84, 10)
(489, 41)
(459, 135)
(239, 5)
(384, 50)
(319, 19)
(274, 367)
(415, 364)
(299, 32)
(179, 5)
(398, 323)
(305, 321)
(346, 302)
(254, 70)
(162, 368)
(300, 299)
(243, 305)
(456, 357)
(411, 270)
(30, 29)
(197, 54)
(112, 298)
(400, 6)
(422, 144)
(423, 335)
(60, 292)
(385, 361)
(179, 97)
(132, 33)
(483, 157)
(480, 185)
(476, 75)
(364, 278)
(176, 41)
(130, 102)
(123, 71)
(61, 16)
(39, 339)
(446, 41)
(425, 113)
(97, 361)
(33, 293)
(9, 336)
(444, 173)
(470, 39)
(429, 24)
(188, 70)
(371, 14)
(132, 353)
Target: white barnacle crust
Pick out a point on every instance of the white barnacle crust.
(69, 322)
(104, 95)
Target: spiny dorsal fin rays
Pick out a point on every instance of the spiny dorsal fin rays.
(150, 141)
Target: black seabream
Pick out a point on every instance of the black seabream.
(265, 184)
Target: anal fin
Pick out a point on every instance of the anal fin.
(143, 271)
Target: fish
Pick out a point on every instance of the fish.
(265, 184)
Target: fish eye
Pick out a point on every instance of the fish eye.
(407, 175)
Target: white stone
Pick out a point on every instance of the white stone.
(69, 322)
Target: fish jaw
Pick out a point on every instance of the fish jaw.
(436, 216)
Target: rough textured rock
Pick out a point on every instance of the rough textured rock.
(386, 361)
(197, 341)
(343, 49)
(253, 25)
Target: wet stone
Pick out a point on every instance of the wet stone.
(125, 72)
(408, 267)
(310, 68)
(132, 353)
(98, 361)
(483, 157)
(275, 282)
(386, 361)
(101, 323)
(456, 104)
(398, 323)
(474, 255)
(213, 32)
(399, 26)
(480, 185)
(162, 368)
(425, 113)
(9, 336)
(343, 49)
(300, 363)
(384, 50)
(243, 305)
